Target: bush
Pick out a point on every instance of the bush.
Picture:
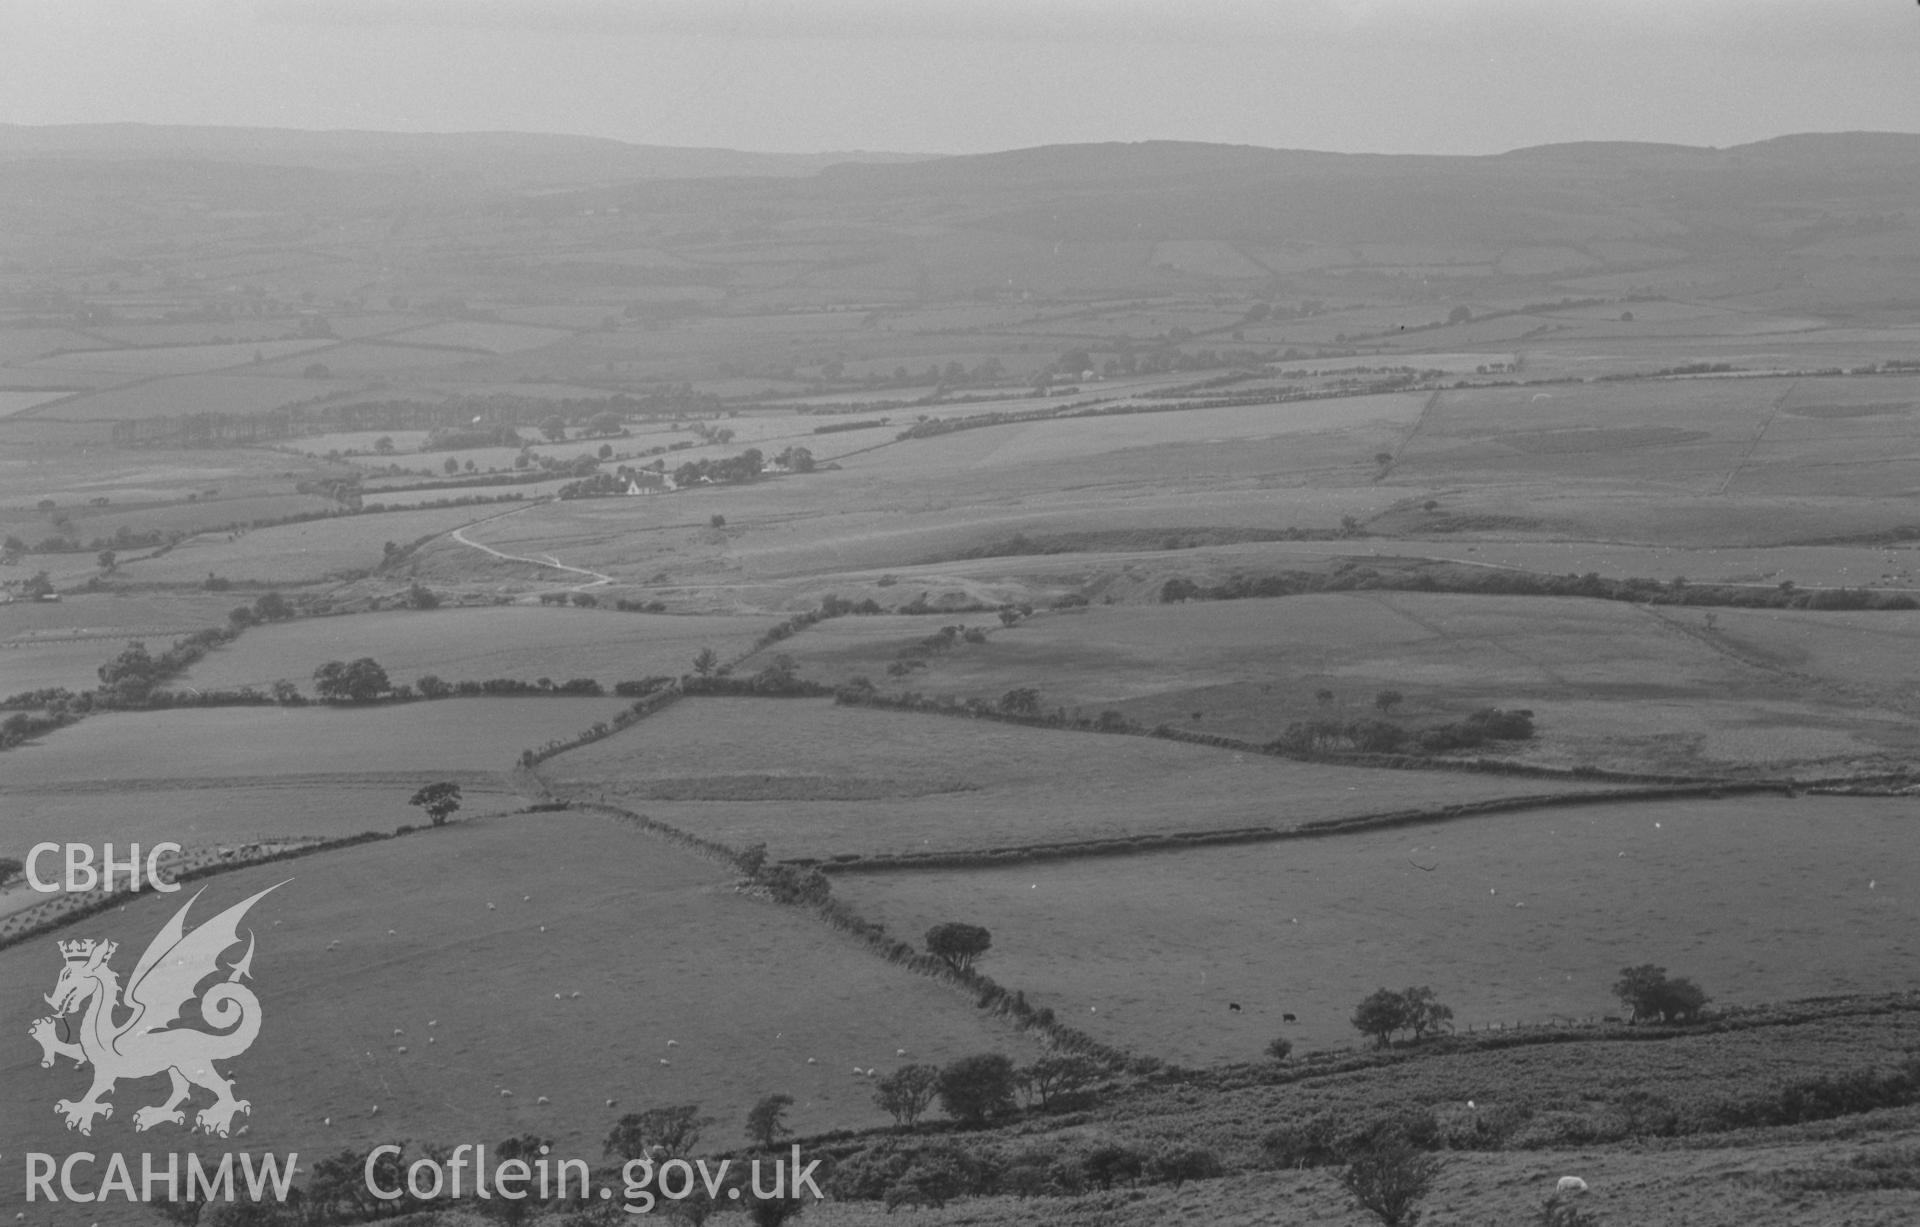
(1389, 1179)
(1279, 1049)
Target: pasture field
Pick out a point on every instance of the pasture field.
(184, 394)
(112, 617)
(812, 779)
(371, 358)
(226, 813)
(1612, 684)
(37, 664)
(519, 641)
(177, 359)
(295, 553)
(215, 333)
(1512, 917)
(18, 400)
(199, 746)
(22, 345)
(474, 334)
(1875, 652)
(384, 966)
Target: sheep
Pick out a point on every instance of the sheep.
(899, 1052)
(612, 1102)
(812, 1061)
(399, 1031)
(1570, 1184)
(505, 1093)
(664, 1061)
(543, 1099)
(673, 1043)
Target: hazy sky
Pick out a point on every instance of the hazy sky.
(1432, 76)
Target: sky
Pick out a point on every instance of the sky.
(967, 76)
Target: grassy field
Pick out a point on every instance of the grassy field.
(184, 394)
(385, 966)
(293, 553)
(516, 641)
(811, 779)
(1519, 917)
(1612, 684)
(202, 745)
(225, 812)
(176, 359)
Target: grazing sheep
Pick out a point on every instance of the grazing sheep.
(505, 1093)
(673, 1043)
(899, 1052)
(403, 1047)
(399, 1031)
(1570, 1184)
(612, 1102)
(543, 1099)
(811, 1061)
(664, 1061)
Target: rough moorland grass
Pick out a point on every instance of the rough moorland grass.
(398, 936)
(812, 779)
(1515, 917)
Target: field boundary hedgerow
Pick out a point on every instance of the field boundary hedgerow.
(797, 884)
(978, 709)
(991, 858)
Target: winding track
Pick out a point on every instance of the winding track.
(597, 580)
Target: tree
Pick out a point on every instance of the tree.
(608, 423)
(272, 607)
(957, 944)
(383, 445)
(1053, 1078)
(106, 559)
(241, 616)
(1648, 992)
(1387, 700)
(1425, 1013)
(1389, 1177)
(974, 1090)
(766, 1122)
(38, 586)
(1280, 1048)
(419, 596)
(10, 868)
(554, 427)
(1380, 1014)
(451, 466)
(605, 452)
(667, 1133)
(1323, 696)
(905, 1093)
(1020, 701)
(717, 520)
(439, 800)
(362, 681)
(1459, 315)
(705, 661)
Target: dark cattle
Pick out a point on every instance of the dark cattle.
(1288, 1018)
(1234, 1006)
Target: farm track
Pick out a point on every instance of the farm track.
(598, 579)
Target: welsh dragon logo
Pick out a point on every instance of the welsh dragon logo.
(151, 1037)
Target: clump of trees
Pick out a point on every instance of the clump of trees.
(1648, 992)
(1383, 1012)
(359, 681)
